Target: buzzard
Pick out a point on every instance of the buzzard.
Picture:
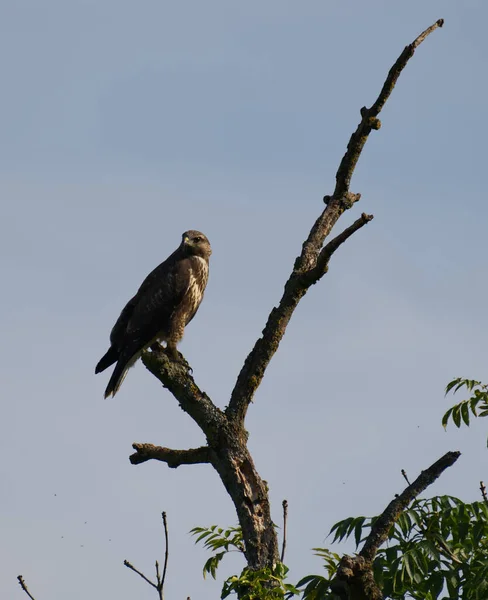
(166, 302)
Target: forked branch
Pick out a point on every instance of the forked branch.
(312, 263)
(328, 250)
(159, 585)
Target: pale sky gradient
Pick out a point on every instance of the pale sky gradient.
(124, 123)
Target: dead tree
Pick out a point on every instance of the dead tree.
(226, 449)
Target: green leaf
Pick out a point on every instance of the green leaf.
(456, 416)
(340, 529)
(465, 412)
(451, 384)
(446, 416)
(358, 529)
(472, 404)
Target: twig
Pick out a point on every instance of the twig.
(158, 578)
(369, 119)
(166, 552)
(327, 251)
(483, 492)
(312, 263)
(285, 517)
(130, 566)
(405, 476)
(159, 585)
(24, 587)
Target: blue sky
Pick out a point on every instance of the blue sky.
(123, 124)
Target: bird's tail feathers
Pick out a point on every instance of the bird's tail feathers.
(119, 374)
(109, 358)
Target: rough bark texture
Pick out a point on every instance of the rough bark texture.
(249, 492)
(173, 458)
(226, 451)
(226, 436)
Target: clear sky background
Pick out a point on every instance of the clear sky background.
(122, 124)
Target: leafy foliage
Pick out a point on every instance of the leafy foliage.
(265, 584)
(477, 403)
(219, 541)
(438, 545)
(316, 587)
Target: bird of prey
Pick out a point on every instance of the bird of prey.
(166, 302)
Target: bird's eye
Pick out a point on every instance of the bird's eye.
(197, 239)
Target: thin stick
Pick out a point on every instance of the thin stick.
(483, 492)
(285, 518)
(127, 564)
(158, 578)
(24, 587)
(166, 552)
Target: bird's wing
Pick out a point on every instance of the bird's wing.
(119, 330)
(156, 302)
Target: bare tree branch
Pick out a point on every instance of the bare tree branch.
(285, 518)
(24, 587)
(354, 579)
(328, 250)
(177, 379)
(312, 264)
(369, 120)
(173, 458)
(130, 566)
(228, 453)
(159, 585)
(379, 531)
(166, 552)
(158, 577)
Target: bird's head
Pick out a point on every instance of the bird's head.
(196, 244)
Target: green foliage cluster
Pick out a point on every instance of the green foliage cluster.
(317, 587)
(264, 584)
(438, 545)
(220, 542)
(477, 403)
